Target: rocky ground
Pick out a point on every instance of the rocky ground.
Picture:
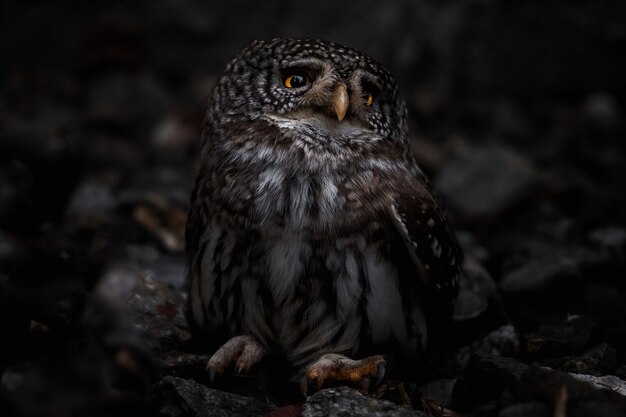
(517, 115)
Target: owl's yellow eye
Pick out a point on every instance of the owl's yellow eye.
(369, 92)
(296, 80)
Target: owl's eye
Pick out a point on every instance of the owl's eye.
(369, 92)
(296, 79)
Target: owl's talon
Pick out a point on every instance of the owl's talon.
(334, 369)
(381, 375)
(242, 352)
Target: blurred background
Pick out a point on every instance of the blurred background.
(516, 113)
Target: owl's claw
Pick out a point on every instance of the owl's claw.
(242, 352)
(381, 374)
(333, 369)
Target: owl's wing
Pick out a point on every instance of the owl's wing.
(430, 242)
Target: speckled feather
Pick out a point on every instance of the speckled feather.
(312, 235)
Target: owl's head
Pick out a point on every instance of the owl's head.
(303, 83)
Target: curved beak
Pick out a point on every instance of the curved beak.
(341, 101)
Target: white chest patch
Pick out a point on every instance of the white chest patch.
(290, 195)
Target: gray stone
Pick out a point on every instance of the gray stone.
(346, 402)
(174, 136)
(91, 197)
(439, 391)
(567, 337)
(484, 181)
(503, 342)
(602, 108)
(611, 238)
(185, 397)
(607, 382)
(586, 395)
(133, 306)
(476, 289)
(550, 266)
(471, 248)
(597, 361)
(163, 182)
(485, 377)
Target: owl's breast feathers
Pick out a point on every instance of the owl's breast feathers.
(313, 253)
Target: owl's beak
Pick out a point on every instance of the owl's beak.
(341, 101)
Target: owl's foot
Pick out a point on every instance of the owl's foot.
(333, 369)
(242, 352)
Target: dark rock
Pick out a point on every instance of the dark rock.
(583, 398)
(567, 337)
(553, 265)
(133, 306)
(178, 397)
(471, 248)
(169, 270)
(77, 386)
(501, 369)
(476, 290)
(485, 181)
(538, 274)
(346, 402)
(175, 135)
(602, 109)
(164, 182)
(186, 365)
(158, 199)
(598, 360)
(504, 342)
(157, 309)
(439, 391)
(91, 197)
(485, 377)
(607, 382)
(107, 314)
(612, 239)
(489, 376)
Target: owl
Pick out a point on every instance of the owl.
(313, 235)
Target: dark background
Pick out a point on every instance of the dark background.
(516, 114)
